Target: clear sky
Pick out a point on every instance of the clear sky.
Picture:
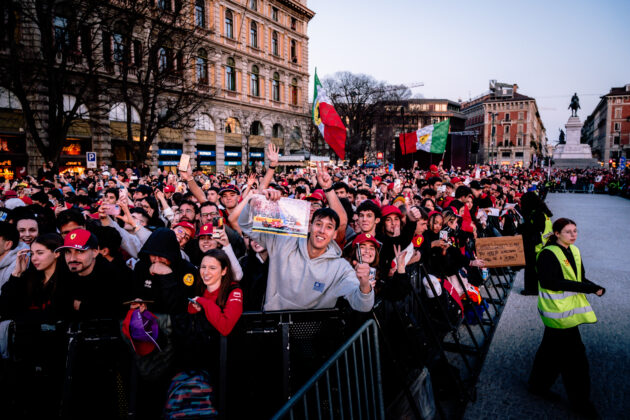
(551, 48)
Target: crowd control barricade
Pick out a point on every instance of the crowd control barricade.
(347, 386)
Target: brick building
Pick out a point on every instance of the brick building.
(607, 128)
(248, 70)
(508, 126)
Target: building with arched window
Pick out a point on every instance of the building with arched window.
(245, 63)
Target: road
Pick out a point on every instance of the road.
(604, 240)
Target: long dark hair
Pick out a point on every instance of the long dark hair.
(558, 225)
(50, 241)
(226, 280)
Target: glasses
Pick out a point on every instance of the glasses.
(211, 214)
(182, 232)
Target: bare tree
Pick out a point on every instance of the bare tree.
(357, 98)
(48, 63)
(155, 60)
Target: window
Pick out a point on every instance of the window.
(506, 143)
(274, 14)
(519, 141)
(520, 105)
(617, 112)
(277, 131)
(275, 50)
(229, 24)
(506, 154)
(617, 126)
(617, 100)
(293, 51)
(294, 92)
(137, 53)
(163, 60)
(293, 23)
(494, 130)
(200, 13)
(86, 41)
(253, 35)
(201, 66)
(520, 115)
(164, 4)
(253, 4)
(507, 130)
(616, 139)
(520, 129)
(62, 34)
(275, 88)
(255, 82)
(119, 48)
(507, 116)
(230, 75)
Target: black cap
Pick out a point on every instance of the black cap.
(475, 185)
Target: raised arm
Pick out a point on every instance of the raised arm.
(192, 185)
(325, 181)
(272, 154)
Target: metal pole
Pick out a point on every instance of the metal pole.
(402, 116)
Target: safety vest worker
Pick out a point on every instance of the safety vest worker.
(561, 309)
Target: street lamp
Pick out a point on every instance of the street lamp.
(493, 133)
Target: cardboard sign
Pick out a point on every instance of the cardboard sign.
(503, 251)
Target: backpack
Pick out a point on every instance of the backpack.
(190, 396)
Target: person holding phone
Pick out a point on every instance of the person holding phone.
(211, 237)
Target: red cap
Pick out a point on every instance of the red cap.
(387, 210)
(230, 187)
(366, 237)
(169, 189)
(10, 194)
(455, 180)
(433, 168)
(431, 213)
(315, 196)
(79, 239)
(206, 229)
(187, 225)
(390, 186)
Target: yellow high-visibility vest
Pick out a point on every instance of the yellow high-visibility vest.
(544, 237)
(560, 309)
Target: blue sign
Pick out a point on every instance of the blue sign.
(232, 163)
(232, 154)
(90, 156)
(169, 152)
(168, 162)
(207, 163)
(210, 153)
(256, 154)
(622, 161)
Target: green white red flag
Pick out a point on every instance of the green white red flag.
(431, 138)
(327, 120)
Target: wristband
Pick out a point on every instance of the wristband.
(273, 167)
(327, 190)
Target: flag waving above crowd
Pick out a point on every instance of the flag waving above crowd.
(431, 138)
(327, 120)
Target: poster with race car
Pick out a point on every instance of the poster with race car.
(286, 216)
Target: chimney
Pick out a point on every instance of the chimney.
(514, 87)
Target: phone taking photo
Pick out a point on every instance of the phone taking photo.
(359, 256)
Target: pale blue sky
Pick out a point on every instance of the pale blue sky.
(551, 48)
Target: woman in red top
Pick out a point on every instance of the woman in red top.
(221, 299)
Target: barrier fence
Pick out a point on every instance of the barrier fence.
(313, 364)
(348, 385)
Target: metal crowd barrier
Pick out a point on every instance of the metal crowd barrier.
(348, 385)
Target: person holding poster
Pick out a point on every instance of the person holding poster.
(309, 273)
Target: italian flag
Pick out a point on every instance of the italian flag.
(431, 138)
(327, 120)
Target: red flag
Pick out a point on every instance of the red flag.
(408, 142)
(334, 131)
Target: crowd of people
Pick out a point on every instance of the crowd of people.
(590, 180)
(172, 257)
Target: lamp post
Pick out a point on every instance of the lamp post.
(493, 134)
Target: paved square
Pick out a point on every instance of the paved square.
(604, 240)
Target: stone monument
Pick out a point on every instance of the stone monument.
(572, 154)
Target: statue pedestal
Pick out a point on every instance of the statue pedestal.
(573, 154)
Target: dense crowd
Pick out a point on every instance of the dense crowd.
(173, 260)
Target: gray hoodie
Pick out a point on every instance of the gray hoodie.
(297, 282)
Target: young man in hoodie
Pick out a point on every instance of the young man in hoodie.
(309, 273)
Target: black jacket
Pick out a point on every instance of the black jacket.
(551, 277)
(169, 292)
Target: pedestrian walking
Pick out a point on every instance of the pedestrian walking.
(563, 306)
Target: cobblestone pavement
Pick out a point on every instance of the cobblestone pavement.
(604, 241)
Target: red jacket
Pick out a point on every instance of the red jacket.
(223, 320)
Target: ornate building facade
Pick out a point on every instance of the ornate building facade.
(245, 62)
(508, 126)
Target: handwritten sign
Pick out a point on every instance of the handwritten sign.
(503, 251)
